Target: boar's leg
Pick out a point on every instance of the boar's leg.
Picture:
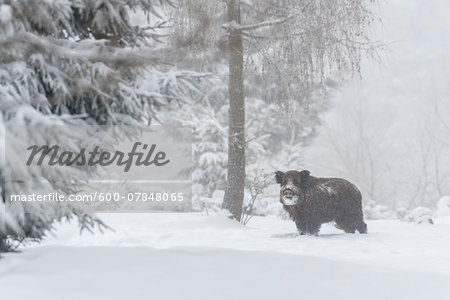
(309, 228)
(361, 227)
(351, 223)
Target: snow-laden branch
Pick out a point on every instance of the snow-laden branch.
(84, 50)
(234, 26)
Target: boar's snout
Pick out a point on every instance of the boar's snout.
(292, 184)
(288, 193)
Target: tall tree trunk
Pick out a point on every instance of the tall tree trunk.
(234, 192)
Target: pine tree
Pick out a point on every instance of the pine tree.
(75, 62)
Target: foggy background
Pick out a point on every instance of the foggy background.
(389, 132)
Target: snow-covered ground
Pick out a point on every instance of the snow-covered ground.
(194, 256)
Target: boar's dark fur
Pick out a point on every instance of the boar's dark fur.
(321, 200)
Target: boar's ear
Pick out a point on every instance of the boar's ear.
(304, 176)
(279, 177)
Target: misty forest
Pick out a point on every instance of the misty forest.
(352, 89)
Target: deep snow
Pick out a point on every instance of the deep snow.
(193, 256)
